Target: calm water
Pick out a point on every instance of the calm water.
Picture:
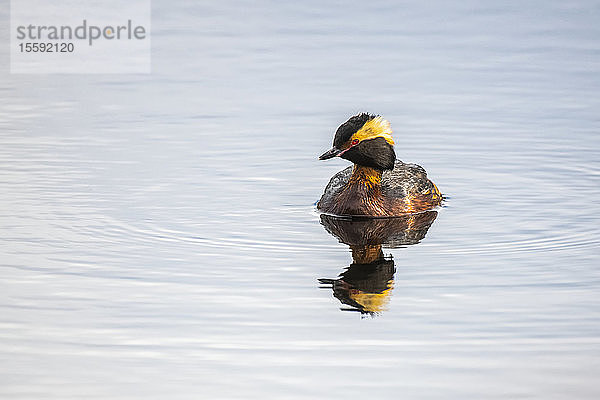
(159, 237)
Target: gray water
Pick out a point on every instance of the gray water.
(160, 240)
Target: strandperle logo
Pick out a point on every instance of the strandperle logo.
(85, 31)
(80, 36)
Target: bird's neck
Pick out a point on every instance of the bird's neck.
(362, 193)
(366, 176)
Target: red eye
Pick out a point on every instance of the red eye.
(355, 142)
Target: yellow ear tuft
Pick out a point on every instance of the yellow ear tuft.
(373, 128)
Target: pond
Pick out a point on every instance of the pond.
(160, 237)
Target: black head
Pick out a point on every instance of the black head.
(349, 128)
(365, 140)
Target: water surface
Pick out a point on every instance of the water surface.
(159, 237)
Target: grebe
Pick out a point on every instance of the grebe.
(377, 185)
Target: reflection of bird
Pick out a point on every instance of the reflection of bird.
(366, 285)
(377, 185)
(391, 232)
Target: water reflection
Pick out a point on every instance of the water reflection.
(366, 285)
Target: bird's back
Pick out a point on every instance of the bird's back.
(405, 188)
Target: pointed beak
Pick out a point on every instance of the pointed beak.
(330, 154)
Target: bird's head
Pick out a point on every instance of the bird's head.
(365, 140)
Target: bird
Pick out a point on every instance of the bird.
(377, 185)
